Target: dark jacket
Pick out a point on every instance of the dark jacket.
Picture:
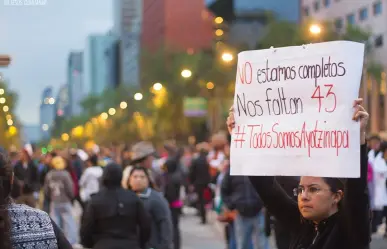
(238, 194)
(115, 219)
(199, 174)
(173, 180)
(348, 229)
(158, 208)
(28, 175)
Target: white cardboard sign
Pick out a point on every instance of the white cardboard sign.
(293, 109)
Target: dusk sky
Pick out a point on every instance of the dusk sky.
(39, 38)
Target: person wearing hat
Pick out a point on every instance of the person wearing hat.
(142, 155)
(59, 188)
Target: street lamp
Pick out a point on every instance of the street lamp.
(2, 100)
(123, 105)
(186, 73)
(45, 127)
(104, 115)
(65, 137)
(9, 122)
(227, 57)
(157, 86)
(112, 111)
(315, 29)
(218, 20)
(138, 96)
(51, 101)
(2, 91)
(210, 85)
(5, 108)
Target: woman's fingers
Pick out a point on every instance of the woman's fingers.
(357, 102)
(360, 115)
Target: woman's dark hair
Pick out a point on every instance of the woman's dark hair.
(140, 168)
(335, 184)
(6, 172)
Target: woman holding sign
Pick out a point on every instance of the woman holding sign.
(330, 213)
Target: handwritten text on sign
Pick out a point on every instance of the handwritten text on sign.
(293, 110)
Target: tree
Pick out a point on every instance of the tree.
(90, 104)
(9, 135)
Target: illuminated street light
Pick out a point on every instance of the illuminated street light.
(5, 108)
(157, 86)
(2, 100)
(104, 115)
(12, 130)
(123, 105)
(138, 96)
(315, 29)
(218, 20)
(186, 73)
(9, 122)
(219, 32)
(51, 101)
(8, 116)
(112, 111)
(210, 85)
(65, 137)
(45, 127)
(227, 57)
(2, 91)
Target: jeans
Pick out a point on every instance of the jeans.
(251, 229)
(175, 212)
(61, 214)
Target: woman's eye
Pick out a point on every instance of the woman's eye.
(313, 190)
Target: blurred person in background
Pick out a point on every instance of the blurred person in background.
(59, 187)
(27, 197)
(76, 162)
(22, 226)
(173, 180)
(90, 179)
(200, 177)
(126, 156)
(373, 143)
(380, 189)
(115, 218)
(143, 154)
(26, 172)
(157, 207)
(42, 178)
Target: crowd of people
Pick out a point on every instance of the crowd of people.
(132, 197)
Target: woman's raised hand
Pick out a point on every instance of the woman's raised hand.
(362, 116)
(230, 120)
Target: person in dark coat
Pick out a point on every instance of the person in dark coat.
(26, 172)
(199, 176)
(115, 218)
(330, 213)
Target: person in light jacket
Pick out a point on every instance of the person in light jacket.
(157, 207)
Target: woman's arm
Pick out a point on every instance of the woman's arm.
(162, 216)
(277, 202)
(356, 204)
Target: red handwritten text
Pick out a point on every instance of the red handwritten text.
(246, 73)
(316, 138)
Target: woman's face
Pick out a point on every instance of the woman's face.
(316, 201)
(138, 181)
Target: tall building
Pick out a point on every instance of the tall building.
(76, 89)
(62, 102)
(95, 70)
(47, 112)
(112, 58)
(244, 20)
(182, 25)
(371, 15)
(127, 26)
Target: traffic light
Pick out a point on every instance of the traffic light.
(5, 60)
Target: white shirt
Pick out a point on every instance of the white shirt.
(89, 182)
(380, 177)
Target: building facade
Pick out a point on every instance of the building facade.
(76, 89)
(95, 70)
(112, 59)
(47, 112)
(176, 24)
(127, 27)
(62, 102)
(370, 15)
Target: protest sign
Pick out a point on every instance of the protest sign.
(293, 109)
